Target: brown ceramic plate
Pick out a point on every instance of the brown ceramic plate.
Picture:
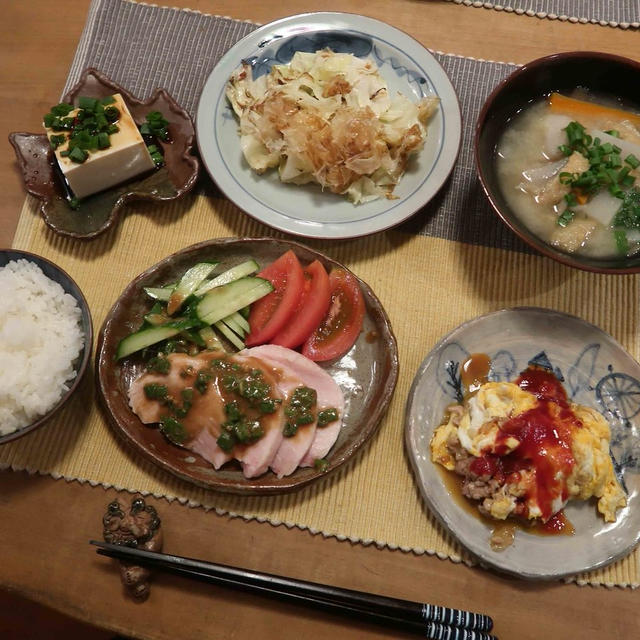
(99, 212)
(367, 375)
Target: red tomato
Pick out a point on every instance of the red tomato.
(270, 314)
(339, 329)
(312, 308)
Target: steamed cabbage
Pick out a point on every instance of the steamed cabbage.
(328, 118)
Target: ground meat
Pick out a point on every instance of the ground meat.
(462, 466)
(461, 456)
(473, 486)
(480, 489)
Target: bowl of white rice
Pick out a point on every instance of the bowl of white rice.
(45, 341)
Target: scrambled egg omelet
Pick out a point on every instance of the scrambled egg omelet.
(524, 450)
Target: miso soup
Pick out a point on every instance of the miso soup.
(569, 168)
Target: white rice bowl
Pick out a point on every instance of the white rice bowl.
(40, 340)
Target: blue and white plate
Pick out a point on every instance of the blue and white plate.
(306, 210)
(596, 372)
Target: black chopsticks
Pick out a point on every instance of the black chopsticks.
(434, 622)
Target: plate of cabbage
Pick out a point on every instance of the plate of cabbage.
(329, 125)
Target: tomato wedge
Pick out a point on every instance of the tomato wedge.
(340, 328)
(312, 308)
(270, 314)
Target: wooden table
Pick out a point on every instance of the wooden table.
(45, 523)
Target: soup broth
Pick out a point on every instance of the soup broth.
(534, 172)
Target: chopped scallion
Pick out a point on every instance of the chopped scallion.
(157, 125)
(565, 149)
(606, 168)
(57, 140)
(103, 140)
(62, 109)
(86, 103)
(78, 155)
(112, 114)
(632, 161)
(566, 217)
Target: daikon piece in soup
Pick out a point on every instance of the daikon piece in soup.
(569, 168)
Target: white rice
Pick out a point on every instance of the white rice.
(40, 338)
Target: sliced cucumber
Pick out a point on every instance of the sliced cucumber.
(229, 298)
(192, 335)
(241, 321)
(160, 293)
(229, 335)
(157, 319)
(233, 325)
(156, 315)
(189, 282)
(211, 340)
(235, 273)
(150, 335)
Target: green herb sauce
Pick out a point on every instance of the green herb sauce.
(299, 410)
(326, 416)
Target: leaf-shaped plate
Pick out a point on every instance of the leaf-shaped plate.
(99, 212)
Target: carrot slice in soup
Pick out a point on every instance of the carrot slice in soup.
(582, 109)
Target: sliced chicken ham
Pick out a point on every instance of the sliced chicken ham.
(329, 395)
(282, 369)
(203, 422)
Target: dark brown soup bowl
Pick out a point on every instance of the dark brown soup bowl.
(562, 72)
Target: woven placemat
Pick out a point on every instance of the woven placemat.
(463, 263)
(608, 13)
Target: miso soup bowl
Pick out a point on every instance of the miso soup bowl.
(563, 72)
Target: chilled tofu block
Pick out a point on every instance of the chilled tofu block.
(126, 158)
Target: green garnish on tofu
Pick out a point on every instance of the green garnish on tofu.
(88, 130)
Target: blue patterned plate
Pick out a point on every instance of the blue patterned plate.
(596, 371)
(306, 210)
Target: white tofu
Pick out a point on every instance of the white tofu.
(126, 158)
